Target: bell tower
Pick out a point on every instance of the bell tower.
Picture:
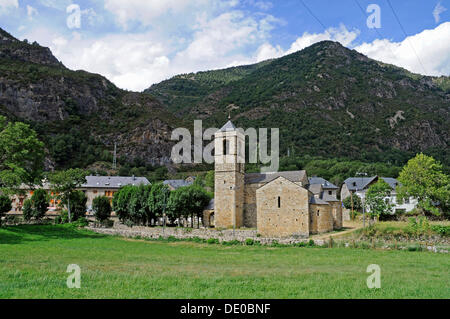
(229, 177)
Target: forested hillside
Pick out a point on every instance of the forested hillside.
(327, 101)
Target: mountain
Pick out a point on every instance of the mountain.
(327, 101)
(80, 115)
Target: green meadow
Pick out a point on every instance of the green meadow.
(34, 261)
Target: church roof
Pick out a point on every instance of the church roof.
(321, 181)
(261, 178)
(229, 126)
(315, 189)
(317, 201)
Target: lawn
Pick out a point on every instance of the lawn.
(34, 259)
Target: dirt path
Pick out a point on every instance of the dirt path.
(349, 226)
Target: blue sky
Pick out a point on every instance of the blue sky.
(136, 43)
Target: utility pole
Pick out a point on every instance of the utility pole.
(362, 197)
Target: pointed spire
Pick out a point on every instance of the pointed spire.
(229, 115)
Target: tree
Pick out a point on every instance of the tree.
(77, 202)
(138, 208)
(39, 202)
(158, 199)
(357, 204)
(5, 206)
(120, 202)
(27, 210)
(188, 201)
(376, 201)
(210, 180)
(423, 178)
(64, 183)
(36, 206)
(102, 208)
(21, 155)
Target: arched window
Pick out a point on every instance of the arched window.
(225, 147)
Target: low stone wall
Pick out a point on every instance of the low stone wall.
(204, 233)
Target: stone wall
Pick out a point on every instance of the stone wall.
(186, 233)
(321, 219)
(283, 209)
(336, 210)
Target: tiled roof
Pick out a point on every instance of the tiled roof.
(210, 205)
(315, 189)
(359, 183)
(392, 182)
(229, 126)
(256, 178)
(317, 201)
(319, 180)
(113, 181)
(177, 183)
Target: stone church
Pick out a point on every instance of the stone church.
(281, 204)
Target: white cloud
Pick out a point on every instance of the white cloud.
(146, 11)
(31, 12)
(7, 5)
(432, 48)
(437, 12)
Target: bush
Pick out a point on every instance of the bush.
(102, 208)
(249, 242)
(81, 222)
(213, 241)
(357, 205)
(441, 230)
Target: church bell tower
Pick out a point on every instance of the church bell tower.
(229, 177)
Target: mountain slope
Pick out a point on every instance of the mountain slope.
(327, 100)
(79, 115)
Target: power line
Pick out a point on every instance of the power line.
(307, 8)
(376, 29)
(406, 35)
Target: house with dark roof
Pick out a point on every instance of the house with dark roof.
(97, 186)
(327, 186)
(174, 184)
(359, 186)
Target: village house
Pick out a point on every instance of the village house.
(359, 186)
(95, 186)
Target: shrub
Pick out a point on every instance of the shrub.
(249, 242)
(233, 242)
(441, 230)
(213, 241)
(102, 208)
(81, 222)
(311, 243)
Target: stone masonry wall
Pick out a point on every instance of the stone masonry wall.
(288, 219)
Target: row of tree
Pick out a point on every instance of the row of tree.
(146, 204)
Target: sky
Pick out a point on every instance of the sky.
(137, 43)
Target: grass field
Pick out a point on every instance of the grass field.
(34, 259)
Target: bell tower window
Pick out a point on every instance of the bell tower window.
(225, 150)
